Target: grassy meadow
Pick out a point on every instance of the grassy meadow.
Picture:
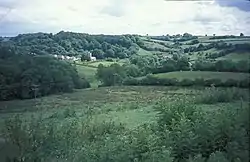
(128, 108)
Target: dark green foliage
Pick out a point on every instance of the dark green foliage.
(153, 80)
(85, 57)
(155, 64)
(28, 76)
(186, 82)
(223, 37)
(98, 53)
(111, 75)
(130, 81)
(132, 70)
(200, 136)
(74, 44)
(221, 66)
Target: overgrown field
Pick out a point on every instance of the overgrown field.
(129, 124)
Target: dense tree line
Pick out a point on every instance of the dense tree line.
(74, 44)
(156, 81)
(223, 37)
(224, 47)
(27, 76)
(221, 66)
(140, 66)
(175, 38)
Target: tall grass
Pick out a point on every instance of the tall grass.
(182, 133)
(215, 95)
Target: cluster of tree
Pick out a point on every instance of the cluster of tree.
(143, 65)
(220, 45)
(221, 66)
(153, 80)
(198, 48)
(156, 64)
(229, 48)
(140, 66)
(185, 37)
(27, 76)
(175, 38)
(68, 43)
(215, 55)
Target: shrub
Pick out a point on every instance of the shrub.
(186, 82)
(244, 83)
(231, 83)
(130, 81)
(213, 82)
(204, 136)
(149, 80)
(109, 59)
(169, 81)
(199, 82)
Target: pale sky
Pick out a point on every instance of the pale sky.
(153, 17)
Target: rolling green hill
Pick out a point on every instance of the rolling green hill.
(204, 74)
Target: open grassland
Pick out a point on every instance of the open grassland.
(88, 73)
(104, 103)
(130, 105)
(180, 75)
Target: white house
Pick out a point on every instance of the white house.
(91, 57)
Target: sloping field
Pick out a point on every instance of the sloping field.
(204, 74)
(236, 57)
(154, 45)
(144, 52)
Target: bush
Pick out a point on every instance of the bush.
(149, 80)
(213, 82)
(203, 136)
(231, 83)
(130, 81)
(109, 59)
(199, 82)
(244, 83)
(186, 82)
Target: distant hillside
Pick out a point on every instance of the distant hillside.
(73, 44)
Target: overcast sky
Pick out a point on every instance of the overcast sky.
(154, 17)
